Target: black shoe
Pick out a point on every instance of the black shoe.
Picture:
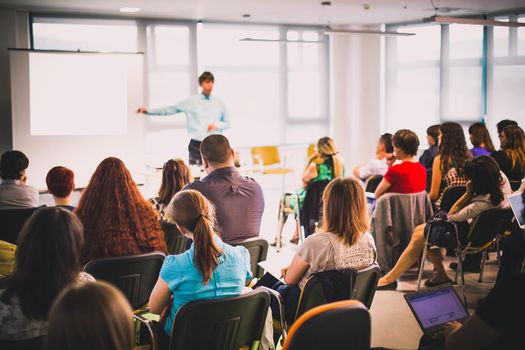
(390, 286)
(466, 267)
(430, 283)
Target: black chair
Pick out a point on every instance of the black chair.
(340, 325)
(258, 249)
(366, 284)
(310, 212)
(26, 344)
(372, 182)
(177, 243)
(221, 324)
(134, 275)
(11, 222)
(450, 196)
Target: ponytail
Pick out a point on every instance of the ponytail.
(338, 165)
(327, 149)
(207, 253)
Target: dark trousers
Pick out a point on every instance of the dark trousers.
(194, 152)
(513, 251)
(290, 296)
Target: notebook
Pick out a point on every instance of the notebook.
(434, 308)
(516, 203)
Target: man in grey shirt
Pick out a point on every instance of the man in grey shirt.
(238, 200)
(14, 193)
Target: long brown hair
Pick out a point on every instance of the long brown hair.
(480, 136)
(327, 149)
(175, 175)
(191, 210)
(117, 219)
(46, 261)
(514, 146)
(90, 316)
(344, 209)
(453, 148)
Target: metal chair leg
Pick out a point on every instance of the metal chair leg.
(422, 267)
(482, 265)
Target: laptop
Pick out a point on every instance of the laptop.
(516, 203)
(434, 308)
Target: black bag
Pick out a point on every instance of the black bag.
(442, 233)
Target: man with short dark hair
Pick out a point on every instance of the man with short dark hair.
(238, 200)
(14, 193)
(206, 115)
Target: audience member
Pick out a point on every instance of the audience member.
(342, 243)
(480, 139)
(61, 183)
(14, 193)
(409, 176)
(502, 125)
(175, 175)
(486, 189)
(238, 199)
(90, 316)
(118, 220)
(511, 157)
(427, 158)
(47, 260)
(447, 169)
(209, 269)
(377, 165)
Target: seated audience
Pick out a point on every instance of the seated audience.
(14, 193)
(47, 260)
(447, 169)
(480, 139)
(209, 269)
(61, 183)
(118, 221)
(238, 199)
(90, 316)
(342, 243)
(409, 176)
(486, 189)
(502, 125)
(175, 175)
(427, 158)
(377, 165)
(511, 157)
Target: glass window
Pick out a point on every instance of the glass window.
(501, 39)
(509, 84)
(466, 41)
(465, 94)
(423, 46)
(84, 36)
(172, 45)
(305, 133)
(521, 37)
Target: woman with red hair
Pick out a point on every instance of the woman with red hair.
(118, 221)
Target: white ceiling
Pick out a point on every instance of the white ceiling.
(341, 12)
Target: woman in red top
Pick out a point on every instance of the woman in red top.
(409, 176)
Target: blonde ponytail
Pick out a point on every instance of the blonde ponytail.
(327, 149)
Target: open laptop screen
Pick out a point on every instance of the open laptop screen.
(516, 202)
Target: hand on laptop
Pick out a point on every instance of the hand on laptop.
(447, 328)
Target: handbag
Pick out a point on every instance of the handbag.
(441, 232)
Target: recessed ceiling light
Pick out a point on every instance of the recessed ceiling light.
(130, 9)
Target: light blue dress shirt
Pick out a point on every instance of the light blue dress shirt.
(184, 278)
(201, 111)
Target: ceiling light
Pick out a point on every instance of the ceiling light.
(472, 21)
(130, 9)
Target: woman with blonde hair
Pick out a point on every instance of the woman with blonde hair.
(511, 157)
(90, 316)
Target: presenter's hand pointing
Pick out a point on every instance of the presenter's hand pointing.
(212, 127)
(142, 110)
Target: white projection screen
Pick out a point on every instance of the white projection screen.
(77, 94)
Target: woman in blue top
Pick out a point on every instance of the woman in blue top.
(210, 269)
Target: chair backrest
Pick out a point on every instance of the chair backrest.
(221, 324)
(310, 150)
(310, 211)
(134, 275)
(340, 325)
(450, 195)
(177, 243)
(366, 284)
(258, 249)
(11, 222)
(372, 182)
(26, 344)
(488, 225)
(268, 155)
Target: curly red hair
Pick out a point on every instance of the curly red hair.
(117, 219)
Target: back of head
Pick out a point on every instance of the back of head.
(386, 139)
(47, 259)
(486, 178)
(453, 148)
(504, 123)
(175, 175)
(327, 149)
(90, 316)
(12, 165)
(192, 211)
(216, 149)
(60, 181)
(480, 136)
(345, 195)
(514, 145)
(407, 140)
(433, 131)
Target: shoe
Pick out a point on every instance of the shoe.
(466, 267)
(390, 286)
(294, 240)
(274, 243)
(429, 283)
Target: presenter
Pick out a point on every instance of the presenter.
(206, 115)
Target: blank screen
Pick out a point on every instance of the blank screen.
(77, 94)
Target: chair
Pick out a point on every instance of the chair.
(310, 211)
(288, 205)
(372, 182)
(267, 157)
(134, 275)
(310, 150)
(177, 243)
(450, 196)
(366, 284)
(221, 324)
(258, 249)
(26, 344)
(11, 222)
(340, 325)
